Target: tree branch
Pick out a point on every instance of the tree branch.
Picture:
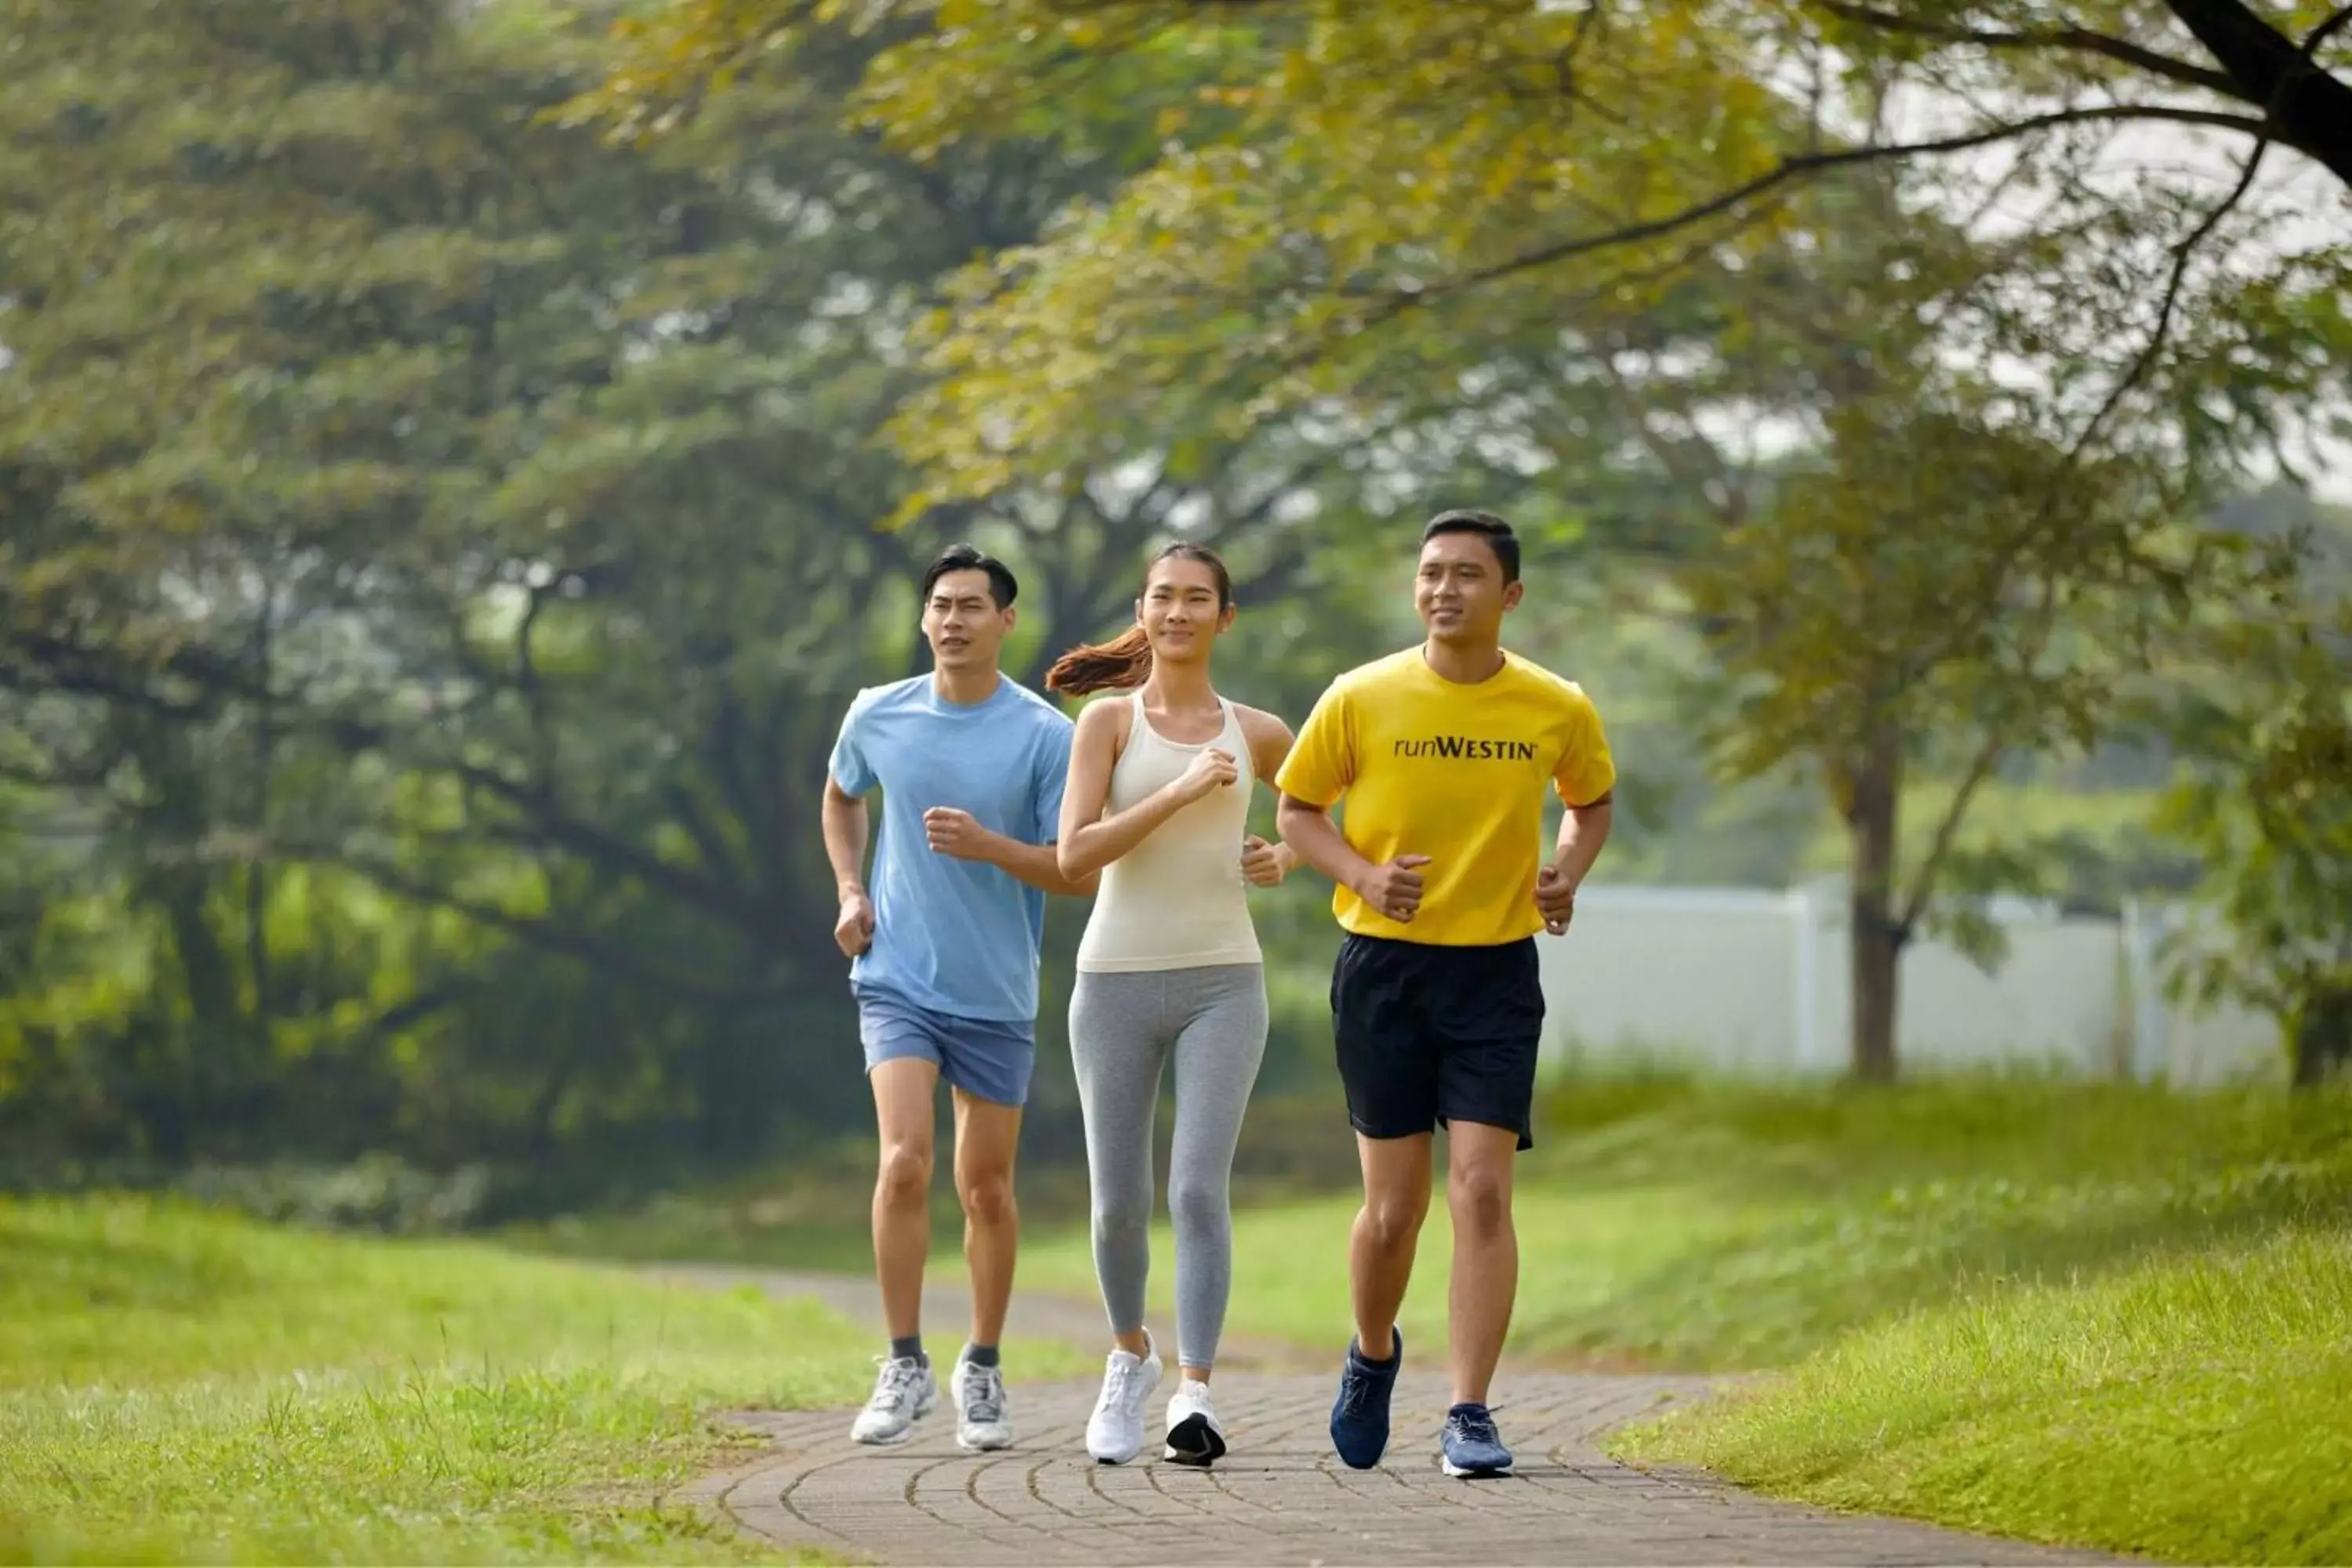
(534, 688)
(1227, 523)
(2049, 516)
(1637, 413)
(1797, 166)
(2030, 644)
(99, 673)
(2302, 105)
(1947, 832)
(2325, 31)
(2081, 40)
(2182, 254)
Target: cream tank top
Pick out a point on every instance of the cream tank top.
(1177, 899)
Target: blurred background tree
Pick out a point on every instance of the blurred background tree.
(457, 461)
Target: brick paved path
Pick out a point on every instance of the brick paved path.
(1281, 1496)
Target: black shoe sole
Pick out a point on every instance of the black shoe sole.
(1193, 1441)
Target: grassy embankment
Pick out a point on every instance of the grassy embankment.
(178, 1384)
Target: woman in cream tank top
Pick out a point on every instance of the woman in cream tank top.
(1177, 899)
(1159, 798)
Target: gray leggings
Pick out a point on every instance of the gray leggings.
(1124, 1025)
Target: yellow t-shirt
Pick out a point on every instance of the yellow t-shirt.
(1455, 772)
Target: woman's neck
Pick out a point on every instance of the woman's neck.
(1176, 688)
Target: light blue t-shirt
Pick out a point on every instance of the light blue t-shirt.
(956, 936)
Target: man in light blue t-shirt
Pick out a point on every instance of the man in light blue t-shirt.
(971, 767)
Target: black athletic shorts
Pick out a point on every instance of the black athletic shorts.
(1430, 1035)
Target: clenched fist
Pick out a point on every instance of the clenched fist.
(1395, 888)
(1261, 863)
(854, 931)
(1555, 899)
(1212, 770)
(957, 833)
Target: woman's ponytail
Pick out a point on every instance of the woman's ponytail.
(1123, 662)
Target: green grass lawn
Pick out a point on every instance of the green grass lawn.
(2195, 1406)
(2081, 1312)
(2085, 1313)
(179, 1384)
(1681, 1224)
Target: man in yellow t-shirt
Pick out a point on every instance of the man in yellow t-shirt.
(1443, 754)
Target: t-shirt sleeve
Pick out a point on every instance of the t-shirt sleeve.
(849, 766)
(1586, 771)
(1322, 761)
(1053, 777)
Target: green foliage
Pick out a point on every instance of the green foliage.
(440, 548)
(2265, 801)
(1530, 241)
(1326, 178)
(441, 535)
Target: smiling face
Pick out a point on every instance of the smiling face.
(1179, 611)
(962, 623)
(1460, 593)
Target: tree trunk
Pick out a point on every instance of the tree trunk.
(2323, 1036)
(173, 879)
(1872, 820)
(257, 869)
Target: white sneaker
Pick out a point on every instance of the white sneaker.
(981, 1423)
(1115, 1431)
(903, 1395)
(1195, 1436)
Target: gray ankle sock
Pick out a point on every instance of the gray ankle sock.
(980, 1355)
(910, 1346)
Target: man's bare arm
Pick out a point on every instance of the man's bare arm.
(845, 832)
(1582, 831)
(844, 818)
(1316, 840)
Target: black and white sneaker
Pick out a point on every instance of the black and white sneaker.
(1195, 1436)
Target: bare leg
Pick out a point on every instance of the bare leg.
(1387, 1229)
(1486, 1253)
(987, 1135)
(903, 1089)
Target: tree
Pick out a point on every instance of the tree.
(1857, 531)
(1342, 170)
(2264, 798)
(2260, 72)
(1359, 215)
(440, 545)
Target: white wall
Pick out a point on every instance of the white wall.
(1757, 982)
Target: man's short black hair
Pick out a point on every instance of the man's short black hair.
(1002, 586)
(1487, 526)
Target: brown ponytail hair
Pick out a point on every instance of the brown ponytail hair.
(1125, 661)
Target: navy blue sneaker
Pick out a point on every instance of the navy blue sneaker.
(1473, 1446)
(1359, 1417)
